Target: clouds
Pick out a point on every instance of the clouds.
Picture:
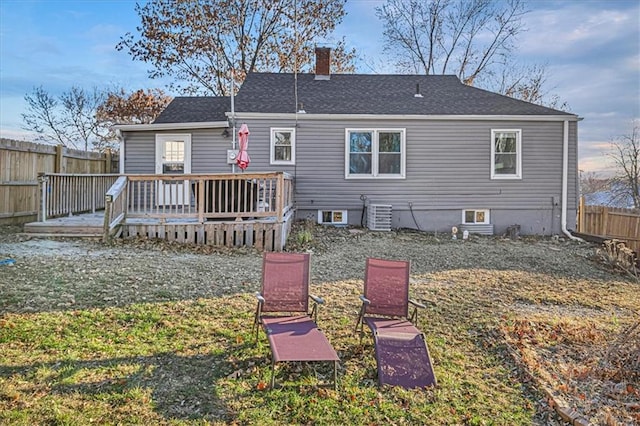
(592, 49)
(561, 30)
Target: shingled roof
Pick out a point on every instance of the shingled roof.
(376, 94)
(195, 109)
(351, 94)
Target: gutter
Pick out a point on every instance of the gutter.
(378, 117)
(565, 179)
(171, 126)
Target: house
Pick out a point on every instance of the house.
(405, 151)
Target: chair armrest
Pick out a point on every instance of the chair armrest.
(318, 300)
(365, 300)
(417, 304)
(260, 297)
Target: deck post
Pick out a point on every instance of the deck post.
(94, 195)
(42, 205)
(280, 196)
(108, 206)
(201, 200)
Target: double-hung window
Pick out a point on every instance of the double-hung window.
(506, 154)
(375, 153)
(283, 146)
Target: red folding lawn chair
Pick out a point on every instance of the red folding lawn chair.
(401, 351)
(290, 328)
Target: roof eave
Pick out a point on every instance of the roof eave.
(171, 126)
(471, 117)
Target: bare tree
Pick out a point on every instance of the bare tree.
(201, 43)
(462, 37)
(68, 119)
(473, 39)
(79, 109)
(528, 83)
(42, 117)
(625, 153)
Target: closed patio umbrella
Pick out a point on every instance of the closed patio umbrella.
(243, 159)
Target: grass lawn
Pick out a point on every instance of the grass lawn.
(196, 361)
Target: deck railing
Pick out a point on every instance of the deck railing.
(64, 194)
(115, 207)
(202, 197)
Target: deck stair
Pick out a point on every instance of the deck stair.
(79, 226)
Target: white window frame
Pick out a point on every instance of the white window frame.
(487, 217)
(375, 154)
(272, 145)
(518, 174)
(161, 138)
(173, 193)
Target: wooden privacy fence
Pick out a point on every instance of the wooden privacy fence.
(610, 222)
(21, 163)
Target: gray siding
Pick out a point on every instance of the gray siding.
(208, 151)
(448, 169)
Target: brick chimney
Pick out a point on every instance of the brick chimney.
(323, 63)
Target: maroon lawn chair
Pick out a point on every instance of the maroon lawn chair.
(290, 328)
(401, 350)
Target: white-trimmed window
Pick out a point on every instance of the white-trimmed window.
(476, 216)
(375, 153)
(506, 154)
(283, 145)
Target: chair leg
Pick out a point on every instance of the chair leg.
(273, 373)
(256, 321)
(360, 323)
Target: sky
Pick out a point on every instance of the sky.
(591, 49)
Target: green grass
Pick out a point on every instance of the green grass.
(196, 362)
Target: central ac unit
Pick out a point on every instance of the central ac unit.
(379, 217)
(332, 217)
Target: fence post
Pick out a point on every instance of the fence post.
(581, 215)
(107, 161)
(605, 221)
(59, 166)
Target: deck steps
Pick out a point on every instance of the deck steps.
(87, 226)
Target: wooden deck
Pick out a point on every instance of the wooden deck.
(263, 234)
(81, 225)
(232, 210)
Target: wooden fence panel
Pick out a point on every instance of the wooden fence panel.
(20, 163)
(611, 222)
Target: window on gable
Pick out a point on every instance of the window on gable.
(475, 216)
(283, 146)
(506, 157)
(375, 153)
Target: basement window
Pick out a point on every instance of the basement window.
(475, 216)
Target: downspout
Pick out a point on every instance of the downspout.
(565, 179)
